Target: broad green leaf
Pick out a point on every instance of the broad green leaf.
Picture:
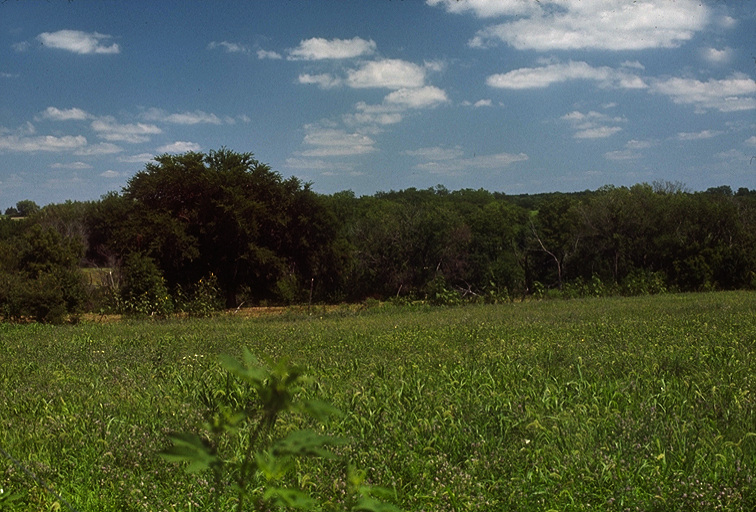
(369, 504)
(318, 410)
(273, 468)
(189, 448)
(305, 443)
(291, 498)
(254, 374)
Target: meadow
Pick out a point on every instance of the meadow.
(617, 404)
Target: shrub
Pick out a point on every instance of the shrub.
(143, 291)
(242, 411)
(201, 299)
(642, 282)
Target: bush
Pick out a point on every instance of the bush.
(202, 299)
(642, 282)
(143, 290)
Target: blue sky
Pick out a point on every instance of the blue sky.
(517, 96)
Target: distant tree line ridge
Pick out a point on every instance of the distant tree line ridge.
(200, 231)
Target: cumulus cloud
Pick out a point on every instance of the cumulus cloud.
(548, 25)
(387, 73)
(632, 150)
(228, 47)
(46, 143)
(104, 148)
(420, 97)
(736, 93)
(179, 146)
(716, 56)
(328, 142)
(185, 118)
(79, 42)
(136, 159)
(109, 129)
(622, 154)
(268, 54)
(488, 8)
(110, 174)
(593, 125)
(318, 48)
(544, 76)
(323, 80)
(455, 165)
(705, 134)
(71, 165)
(71, 114)
(436, 153)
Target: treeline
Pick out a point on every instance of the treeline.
(197, 232)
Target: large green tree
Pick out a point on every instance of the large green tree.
(228, 214)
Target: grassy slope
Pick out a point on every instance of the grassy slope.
(610, 404)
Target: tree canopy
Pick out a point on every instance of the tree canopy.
(202, 224)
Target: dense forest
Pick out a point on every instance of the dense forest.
(201, 231)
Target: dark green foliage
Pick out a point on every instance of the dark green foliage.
(143, 291)
(227, 213)
(40, 279)
(23, 208)
(273, 241)
(243, 412)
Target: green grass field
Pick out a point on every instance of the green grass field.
(605, 404)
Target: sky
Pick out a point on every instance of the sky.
(514, 96)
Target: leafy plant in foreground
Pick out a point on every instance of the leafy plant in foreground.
(249, 409)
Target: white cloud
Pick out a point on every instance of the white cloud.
(315, 164)
(421, 97)
(22, 46)
(372, 115)
(388, 73)
(705, 134)
(71, 114)
(715, 56)
(323, 80)
(597, 132)
(631, 151)
(547, 25)
(79, 42)
(268, 54)
(488, 8)
(318, 48)
(137, 159)
(326, 142)
(49, 143)
(186, 118)
(454, 165)
(751, 141)
(436, 153)
(541, 77)
(71, 165)
(622, 154)
(104, 148)
(731, 94)
(179, 146)
(640, 144)
(593, 125)
(110, 130)
(482, 103)
(228, 47)
(110, 174)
